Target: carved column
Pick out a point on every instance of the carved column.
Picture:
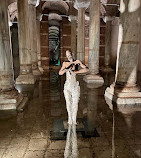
(26, 76)
(54, 20)
(94, 38)
(73, 36)
(125, 90)
(10, 98)
(33, 37)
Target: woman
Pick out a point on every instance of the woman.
(71, 87)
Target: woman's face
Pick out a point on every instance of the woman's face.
(68, 55)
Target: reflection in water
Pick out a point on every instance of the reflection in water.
(54, 86)
(71, 150)
(113, 137)
(128, 114)
(92, 108)
(7, 114)
(128, 120)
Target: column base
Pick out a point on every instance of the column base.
(123, 108)
(93, 81)
(106, 69)
(10, 100)
(123, 96)
(25, 79)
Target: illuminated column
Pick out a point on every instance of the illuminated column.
(94, 38)
(81, 7)
(33, 37)
(10, 98)
(26, 76)
(125, 90)
(73, 36)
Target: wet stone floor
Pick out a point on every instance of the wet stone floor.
(41, 130)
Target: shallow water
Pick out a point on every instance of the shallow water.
(41, 130)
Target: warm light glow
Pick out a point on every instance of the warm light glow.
(120, 39)
(122, 6)
(134, 5)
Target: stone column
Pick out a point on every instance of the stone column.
(54, 20)
(125, 90)
(26, 76)
(33, 38)
(81, 6)
(94, 38)
(81, 35)
(107, 57)
(38, 18)
(10, 98)
(73, 36)
(15, 50)
(114, 40)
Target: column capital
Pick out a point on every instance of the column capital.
(79, 4)
(34, 2)
(72, 18)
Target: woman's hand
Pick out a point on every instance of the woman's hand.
(75, 71)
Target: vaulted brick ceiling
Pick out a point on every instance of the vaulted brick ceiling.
(110, 6)
(66, 7)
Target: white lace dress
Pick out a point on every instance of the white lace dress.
(72, 95)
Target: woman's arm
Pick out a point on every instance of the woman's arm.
(63, 69)
(84, 68)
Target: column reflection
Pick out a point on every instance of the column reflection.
(71, 149)
(92, 100)
(125, 130)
